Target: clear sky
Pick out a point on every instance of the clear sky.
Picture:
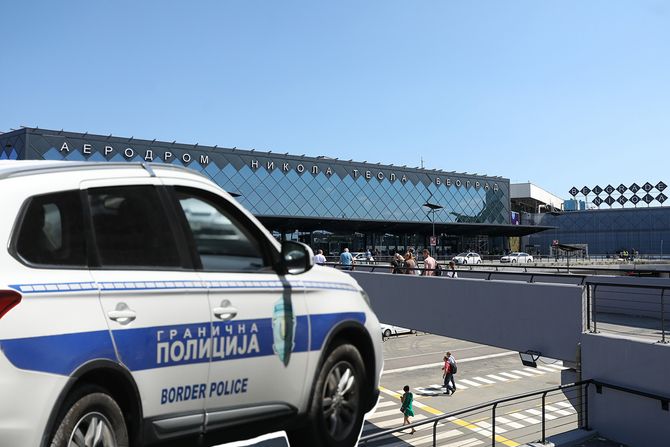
(560, 93)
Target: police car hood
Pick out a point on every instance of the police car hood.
(331, 275)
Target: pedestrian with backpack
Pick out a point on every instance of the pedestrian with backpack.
(454, 369)
(447, 375)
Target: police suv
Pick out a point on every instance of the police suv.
(140, 304)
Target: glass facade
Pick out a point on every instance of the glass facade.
(282, 185)
(607, 231)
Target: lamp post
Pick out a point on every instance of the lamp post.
(433, 207)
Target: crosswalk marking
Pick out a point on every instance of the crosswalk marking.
(465, 443)
(470, 382)
(523, 417)
(382, 414)
(523, 373)
(547, 415)
(501, 379)
(396, 422)
(544, 368)
(565, 405)
(556, 366)
(481, 379)
(534, 371)
(428, 439)
(386, 403)
(511, 376)
(563, 412)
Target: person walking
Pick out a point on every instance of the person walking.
(398, 264)
(446, 374)
(406, 407)
(346, 260)
(429, 264)
(451, 271)
(319, 258)
(410, 264)
(452, 364)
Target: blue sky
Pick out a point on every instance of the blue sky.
(563, 93)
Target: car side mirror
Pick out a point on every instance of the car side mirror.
(296, 257)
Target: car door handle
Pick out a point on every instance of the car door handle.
(122, 314)
(225, 311)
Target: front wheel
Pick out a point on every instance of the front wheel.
(387, 333)
(337, 407)
(90, 418)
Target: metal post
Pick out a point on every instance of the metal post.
(435, 434)
(595, 314)
(544, 419)
(663, 340)
(588, 307)
(493, 425)
(586, 407)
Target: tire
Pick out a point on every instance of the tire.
(513, 261)
(335, 417)
(387, 333)
(465, 261)
(91, 416)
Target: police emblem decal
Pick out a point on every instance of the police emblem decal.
(283, 328)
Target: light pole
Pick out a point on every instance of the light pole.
(433, 207)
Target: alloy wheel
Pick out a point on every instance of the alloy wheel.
(93, 430)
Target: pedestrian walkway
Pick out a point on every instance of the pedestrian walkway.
(490, 379)
(454, 431)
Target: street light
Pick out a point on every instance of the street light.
(433, 207)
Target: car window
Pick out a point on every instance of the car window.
(51, 231)
(221, 241)
(131, 228)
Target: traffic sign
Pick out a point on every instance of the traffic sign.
(433, 241)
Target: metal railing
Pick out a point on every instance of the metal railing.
(561, 270)
(559, 409)
(612, 308)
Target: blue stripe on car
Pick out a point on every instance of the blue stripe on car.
(139, 348)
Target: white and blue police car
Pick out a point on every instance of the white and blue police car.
(140, 305)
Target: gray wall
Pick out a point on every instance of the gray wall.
(643, 366)
(508, 314)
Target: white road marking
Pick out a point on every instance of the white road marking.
(524, 418)
(429, 439)
(469, 382)
(534, 371)
(493, 376)
(440, 364)
(557, 366)
(394, 422)
(534, 412)
(386, 403)
(523, 373)
(563, 412)
(544, 368)
(565, 405)
(465, 443)
(511, 376)
(383, 414)
(481, 379)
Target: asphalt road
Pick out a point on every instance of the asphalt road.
(484, 374)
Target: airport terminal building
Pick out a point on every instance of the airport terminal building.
(325, 202)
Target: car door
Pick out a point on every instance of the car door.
(156, 305)
(260, 325)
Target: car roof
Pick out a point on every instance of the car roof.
(19, 168)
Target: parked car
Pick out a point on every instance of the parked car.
(389, 330)
(141, 303)
(517, 257)
(467, 258)
(360, 258)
